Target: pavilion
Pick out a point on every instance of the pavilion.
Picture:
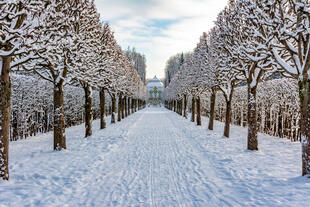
(155, 87)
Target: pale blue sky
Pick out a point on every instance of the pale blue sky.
(159, 28)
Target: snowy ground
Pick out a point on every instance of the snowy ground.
(155, 158)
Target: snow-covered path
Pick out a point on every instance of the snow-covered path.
(155, 158)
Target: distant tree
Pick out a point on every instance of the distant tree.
(173, 65)
(138, 61)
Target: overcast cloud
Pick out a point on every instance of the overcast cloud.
(159, 28)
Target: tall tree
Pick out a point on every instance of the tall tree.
(58, 37)
(17, 31)
(290, 21)
(246, 40)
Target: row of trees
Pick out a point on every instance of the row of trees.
(277, 102)
(32, 106)
(138, 60)
(173, 65)
(63, 42)
(251, 40)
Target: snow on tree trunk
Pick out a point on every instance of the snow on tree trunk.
(193, 109)
(304, 91)
(252, 121)
(198, 111)
(212, 109)
(185, 106)
(88, 110)
(103, 123)
(113, 108)
(59, 120)
(5, 98)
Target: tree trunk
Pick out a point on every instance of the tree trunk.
(228, 112)
(252, 121)
(119, 107)
(138, 104)
(88, 110)
(14, 127)
(59, 120)
(198, 111)
(180, 107)
(123, 108)
(113, 109)
(185, 107)
(193, 109)
(5, 101)
(212, 109)
(126, 106)
(103, 123)
(227, 118)
(174, 105)
(304, 92)
(135, 105)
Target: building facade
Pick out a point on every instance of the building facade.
(155, 88)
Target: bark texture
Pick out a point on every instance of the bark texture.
(126, 106)
(59, 118)
(252, 121)
(193, 109)
(123, 108)
(227, 118)
(212, 109)
(88, 110)
(103, 123)
(113, 108)
(185, 107)
(304, 92)
(198, 111)
(119, 108)
(228, 99)
(5, 99)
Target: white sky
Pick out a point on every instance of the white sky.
(159, 28)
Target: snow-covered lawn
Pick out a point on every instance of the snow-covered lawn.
(155, 158)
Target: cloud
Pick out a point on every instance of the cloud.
(159, 28)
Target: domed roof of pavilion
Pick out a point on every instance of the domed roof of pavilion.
(155, 82)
